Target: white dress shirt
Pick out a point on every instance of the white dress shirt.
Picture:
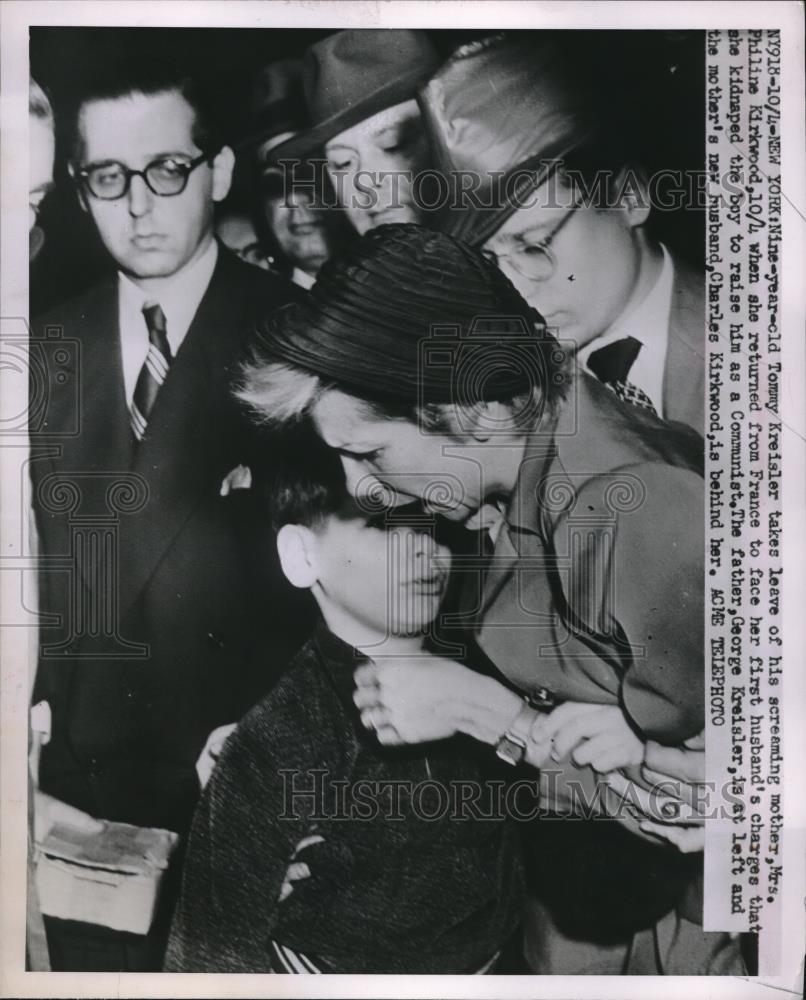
(179, 301)
(648, 322)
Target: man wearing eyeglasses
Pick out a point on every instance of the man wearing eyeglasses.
(154, 550)
(551, 193)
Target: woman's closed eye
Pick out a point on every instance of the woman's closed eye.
(342, 159)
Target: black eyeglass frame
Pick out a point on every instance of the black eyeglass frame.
(128, 173)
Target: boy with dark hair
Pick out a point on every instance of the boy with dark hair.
(314, 848)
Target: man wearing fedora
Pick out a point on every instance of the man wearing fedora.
(360, 89)
(553, 194)
(299, 233)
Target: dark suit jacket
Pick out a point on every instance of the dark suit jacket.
(684, 372)
(156, 588)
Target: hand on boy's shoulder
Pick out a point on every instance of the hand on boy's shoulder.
(408, 699)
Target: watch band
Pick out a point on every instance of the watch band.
(511, 745)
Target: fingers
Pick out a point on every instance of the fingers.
(367, 697)
(688, 840)
(563, 715)
(608, 751)
(375, 718)
(580, 726)
(660, 809)
(675, 762)
(388, 736)
(366, 675)
(696, 742)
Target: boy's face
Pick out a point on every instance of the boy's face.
(385, 573)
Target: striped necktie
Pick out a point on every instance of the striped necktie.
(612, 364)
(154, 370)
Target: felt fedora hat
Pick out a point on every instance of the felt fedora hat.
(277, 105)
(503, 110)
(351, 75)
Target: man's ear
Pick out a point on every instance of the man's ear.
(296, 547)
(223, 165)
(82, 198)
(632, 192)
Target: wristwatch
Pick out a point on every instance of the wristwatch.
(511, 746)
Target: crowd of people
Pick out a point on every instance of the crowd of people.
(390, 483)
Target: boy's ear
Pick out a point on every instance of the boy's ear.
(296, 546)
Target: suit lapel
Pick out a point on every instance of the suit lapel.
(87, 410)
(684, 373)
(94, 383)
(181, 458)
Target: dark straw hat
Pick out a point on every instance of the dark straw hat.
(503, 110)
(406, 316)
(352, 75)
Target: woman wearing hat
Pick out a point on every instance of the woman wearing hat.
(420, 363)
(360, 91)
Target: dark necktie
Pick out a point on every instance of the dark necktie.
(612, 364)
(154, 370)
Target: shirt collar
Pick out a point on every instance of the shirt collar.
(340, 661)
(179, 299)
(647, 320)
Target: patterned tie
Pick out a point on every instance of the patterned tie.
(611, 365)
(154, 370)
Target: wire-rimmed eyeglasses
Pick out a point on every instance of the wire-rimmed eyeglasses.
(166, 176)
(535, 261)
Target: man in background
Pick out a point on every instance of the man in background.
(360, 89)
(300, 234)
(151, 544)
(560, 201)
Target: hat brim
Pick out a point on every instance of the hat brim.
(475, 226)
(402, 88)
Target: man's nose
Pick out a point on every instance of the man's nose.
(528, 287)
(140, 197)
